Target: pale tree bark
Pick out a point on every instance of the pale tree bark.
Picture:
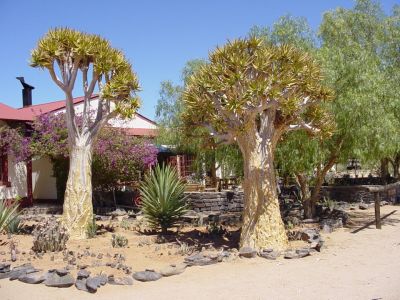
(262, 222)
(78, 208)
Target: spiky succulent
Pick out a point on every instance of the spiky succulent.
(163, 201)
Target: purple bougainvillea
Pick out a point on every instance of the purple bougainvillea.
(117, 157)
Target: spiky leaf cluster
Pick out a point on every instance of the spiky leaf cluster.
(163, 201)
(70, 49)
(248, 74)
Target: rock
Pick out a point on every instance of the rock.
(303, 252)
(148, 275)
(32, 278)
(173, 270)
(199, 260)
(62, 272)
(118, 212)
(383, 203)
(269, 254)
(4, 268)
(120, 280)
(53, 279)
(82, 273)
(20, 271)
(299, 253)
(80, 284)
(317, 245)
(333, 223)
(310, 235)
(327, 228)
(308, 221)
(247, 252)
(363, 206)
(93, 283)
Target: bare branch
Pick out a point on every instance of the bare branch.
(73, 72)
(222, 138)
(55, 77)
(305, 126)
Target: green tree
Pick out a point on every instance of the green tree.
(252, 93)
(68, 53)
(175, 131)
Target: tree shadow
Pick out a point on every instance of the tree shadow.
(199, 238)
(366, 220)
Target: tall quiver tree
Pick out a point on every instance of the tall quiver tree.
(65, 53)
(251, 93)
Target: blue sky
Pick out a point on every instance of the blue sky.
(158, 37)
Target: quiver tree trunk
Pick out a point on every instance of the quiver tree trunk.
(262, 222)
(78, 207)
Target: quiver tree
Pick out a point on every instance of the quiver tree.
(251, 93)
(65, 53)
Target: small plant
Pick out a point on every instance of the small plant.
(125, 224)
(214, 229)
(8, 212)
(50, 236)
(91, 229)
(289, 225)
(14, 226)
(163, 201)
(119, 241)
(184, 248)
(329, 203)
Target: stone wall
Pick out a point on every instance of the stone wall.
(225, 201)
(361, 193)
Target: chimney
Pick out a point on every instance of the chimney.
(26, 92)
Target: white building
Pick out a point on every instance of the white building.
(33, 180)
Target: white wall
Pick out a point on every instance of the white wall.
(43, 183)
(135, 122)
(17, 177)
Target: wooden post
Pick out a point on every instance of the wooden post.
(377, 210)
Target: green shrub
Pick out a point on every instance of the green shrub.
(8, 212)
(119, 241)
(91, 229)
(163, 201)
(125, 224)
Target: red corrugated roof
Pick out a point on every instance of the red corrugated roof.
(31, 112)
(10, 113)
(39, 109)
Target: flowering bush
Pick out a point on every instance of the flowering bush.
(13, 141)
(117, 157)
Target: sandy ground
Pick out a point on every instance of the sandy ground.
(361, 265)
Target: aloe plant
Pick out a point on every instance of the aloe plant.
(163, 200)
(8, 212)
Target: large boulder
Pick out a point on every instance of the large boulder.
(173, 270)
(54, 279)
(148, 275)
(32, 278)
(247, 252)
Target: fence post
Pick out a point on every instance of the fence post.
(377, 210)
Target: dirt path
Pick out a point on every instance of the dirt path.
(362, 265)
